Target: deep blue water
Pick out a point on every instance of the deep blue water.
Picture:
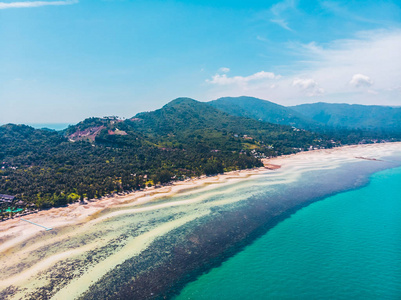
(346, 246)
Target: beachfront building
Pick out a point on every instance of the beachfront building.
(6, 198)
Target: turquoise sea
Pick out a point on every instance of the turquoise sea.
(346, 246)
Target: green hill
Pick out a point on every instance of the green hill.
(263, 110)
(191, 123)
(319, 117)
(372, 117)
(99, 156)
(184, 138)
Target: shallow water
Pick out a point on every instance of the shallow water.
(347, 246)
(143, 251)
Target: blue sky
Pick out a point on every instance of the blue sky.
(62, 61)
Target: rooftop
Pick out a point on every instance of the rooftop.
(6, 198)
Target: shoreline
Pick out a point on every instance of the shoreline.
(80, 221)
(78, 212)
(242, 227)
(13, 231)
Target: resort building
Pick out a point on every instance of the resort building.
(6, 198)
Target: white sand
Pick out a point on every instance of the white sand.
(79, 220)
(15, 231)
(134, 247)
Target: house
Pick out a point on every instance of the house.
(6, 198)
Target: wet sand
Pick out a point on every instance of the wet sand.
(14, 231)
(95, 243)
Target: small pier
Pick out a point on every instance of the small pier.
(47, 228)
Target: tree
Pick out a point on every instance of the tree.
(162, 177)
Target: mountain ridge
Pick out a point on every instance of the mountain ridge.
(100, 156)
(355, 116)
(318, 116)
(263, 110)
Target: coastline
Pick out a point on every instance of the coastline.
(15, 233)
(312, 253)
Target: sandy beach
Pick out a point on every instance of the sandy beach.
(15, 231)
(23, 248)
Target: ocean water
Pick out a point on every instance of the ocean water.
(54, 126)
(135, 251)
(346, 246)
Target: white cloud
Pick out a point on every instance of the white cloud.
(342, 65)
(4, 5)
(360, 80)
(283, 23)
(304, 83)
(224, 70)
(309, 86)
(343, 12)
(279, 9)
(223, 79)
(330, 72)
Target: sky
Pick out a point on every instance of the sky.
(63, 61)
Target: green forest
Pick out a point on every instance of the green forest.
(101, 156)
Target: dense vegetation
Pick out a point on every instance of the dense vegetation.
(336, 120)
(371, 117)
(100, 156)
(263, 110)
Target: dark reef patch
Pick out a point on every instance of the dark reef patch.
(174, 260)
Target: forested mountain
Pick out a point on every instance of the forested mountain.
(99, 156)
(354, 116)
(184, 138)
(263, 110)
(340, 121)
(192, 124)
